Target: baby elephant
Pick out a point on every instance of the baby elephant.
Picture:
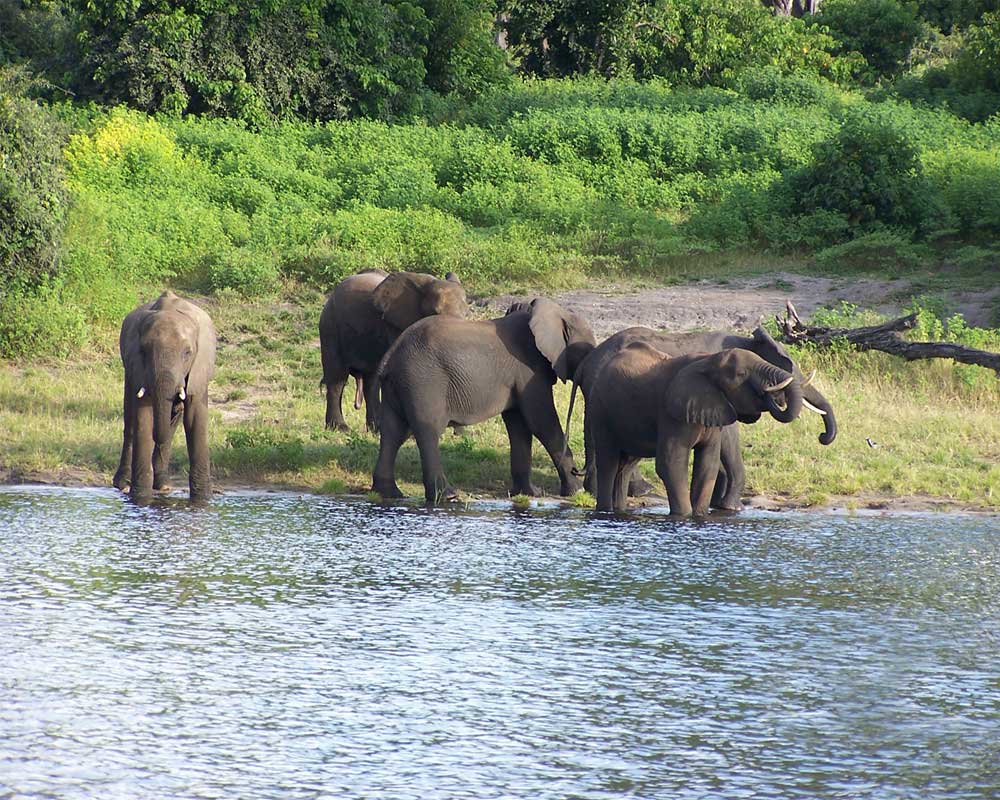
(363, 317)
(168, 349)
(646, 404)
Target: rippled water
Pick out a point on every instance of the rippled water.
(284, 646)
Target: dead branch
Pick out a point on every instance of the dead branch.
(885, 338)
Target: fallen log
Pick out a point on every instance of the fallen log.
(885, 338)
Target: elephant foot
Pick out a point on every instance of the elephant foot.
(639, 487)
(728, 505)
(120, 481)
(570, 487)
(388, 491)
(528, 490)
(341, 427)
(448, 495)
(372, 428)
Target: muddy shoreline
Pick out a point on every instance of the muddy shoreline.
(79, 478)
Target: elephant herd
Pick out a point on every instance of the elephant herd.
(421, 366)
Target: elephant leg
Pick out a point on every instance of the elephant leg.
(123, 474)
(590, 463)
(161, 457)
(706, 470)
(637, 485)
(607, 459)
(620, 491)
(372, 403)
(539, 412)
(335, 377)
(672, 469)
(142, 451)
(520, 453)
(436, 486)
(393, 432)
(729, 495)
(196, 433)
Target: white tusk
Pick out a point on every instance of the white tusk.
(811, 407)
(181, 393)
(780, 386)
(141, 393)
(809, 380)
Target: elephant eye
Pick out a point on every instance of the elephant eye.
(187, 352)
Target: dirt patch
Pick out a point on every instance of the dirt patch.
(739, 304)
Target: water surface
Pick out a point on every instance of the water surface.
(276, 645)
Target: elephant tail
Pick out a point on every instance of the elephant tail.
(569, 417)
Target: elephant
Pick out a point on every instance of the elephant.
(168, 350)
(443, 371)
(646, 403)
(732, 478)
(363, 316)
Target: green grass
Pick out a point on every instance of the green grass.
(936, 424)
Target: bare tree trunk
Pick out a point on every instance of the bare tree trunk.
(884, 338)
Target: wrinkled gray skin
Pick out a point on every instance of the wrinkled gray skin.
(644, 403)
(168, 349)
(443, 371)
(732, 477)
(363, 316)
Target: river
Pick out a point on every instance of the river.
(276, 645)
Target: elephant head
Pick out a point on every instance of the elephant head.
(564, 338)
(770, 350)
(163, 361)
(730, 386)
(405, 297)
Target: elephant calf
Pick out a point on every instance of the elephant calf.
(443, 371)
(363, 317)
(644, 403)
(168, 349)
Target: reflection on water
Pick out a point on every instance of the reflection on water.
(283, 646)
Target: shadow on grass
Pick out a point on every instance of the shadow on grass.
(469, 467)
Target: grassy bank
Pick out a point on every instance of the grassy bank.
(936, 424)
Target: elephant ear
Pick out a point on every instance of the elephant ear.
(564, 338)
(203, 368)
(398, 298)
(694, 397)
(770, 350)
(128, 346)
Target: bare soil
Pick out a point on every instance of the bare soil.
(739, 304)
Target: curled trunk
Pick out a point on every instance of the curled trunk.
(769, 376)
(829, 420)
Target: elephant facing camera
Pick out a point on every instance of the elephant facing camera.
(168, 351)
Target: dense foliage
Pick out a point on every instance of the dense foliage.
(230, 146)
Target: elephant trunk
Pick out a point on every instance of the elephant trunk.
(820, 403)
(768, 377)
(167, 391)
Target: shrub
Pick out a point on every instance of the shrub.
(247, 273)
(886, 251)
(883, 31)
(32, 193)
(870, 172)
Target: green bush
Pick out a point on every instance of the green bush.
(869, 171)
(886, 251)
(882, 31)
(32, 193)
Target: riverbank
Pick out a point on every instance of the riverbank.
(919, 435)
